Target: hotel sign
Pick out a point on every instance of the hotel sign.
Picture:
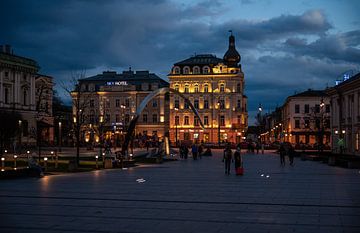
(117, 83)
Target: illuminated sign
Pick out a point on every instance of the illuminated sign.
(345, 77)
(117, 83)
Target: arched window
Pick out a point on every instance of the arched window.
(238, 88)
(186, 70)
(196, 88)
(176, 70)
(206, 87)
(206, 70)
(222, 87)
(196, 70)
(186, 89)
(176, 87)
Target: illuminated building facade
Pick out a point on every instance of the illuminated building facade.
(345, 116)
(305, 119)
(109, 102)
(215, 87)
(19, 82)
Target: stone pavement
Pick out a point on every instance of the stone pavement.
(187, 196)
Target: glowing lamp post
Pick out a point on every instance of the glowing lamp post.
(15, 157)
(60, 139)
(2, 163)
(96, 163)
(176, 126)
(45, 163)
(218, 104)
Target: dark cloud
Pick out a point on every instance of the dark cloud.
(276, 53)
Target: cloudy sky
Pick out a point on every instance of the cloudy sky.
(286, 46)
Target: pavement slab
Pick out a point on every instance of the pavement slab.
(187, 196)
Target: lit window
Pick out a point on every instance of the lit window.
(196, 88)
(186, 120)
(176, 104)
(206, 120)
(206, 88)
(222, 87)
(196, 104)
(222, 120)
(186, 89)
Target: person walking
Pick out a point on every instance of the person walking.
(194, 151)
(291, 152)
(238, 162)
(227, 159)
(282, 153)
(200, 151)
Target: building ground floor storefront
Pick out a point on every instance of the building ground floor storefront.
(208, 135)
(346, 140)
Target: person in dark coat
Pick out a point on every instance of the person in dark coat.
(291, 152)
(194, 151)
(282, 153)
(227, 159)
(238, 159)
(200, 151)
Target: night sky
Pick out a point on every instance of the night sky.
(286, 46)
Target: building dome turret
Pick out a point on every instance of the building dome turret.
(232, 57)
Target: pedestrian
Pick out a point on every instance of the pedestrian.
(257, 148)
(194, 151)
(186, 152)
(239, 169)
(227, 159)
(200, 151)
(282, 153)
(291, 152)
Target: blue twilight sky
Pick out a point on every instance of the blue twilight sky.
(286, 46)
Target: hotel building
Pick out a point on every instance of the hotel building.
(109, 102)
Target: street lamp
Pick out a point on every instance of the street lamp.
(176, 126)
(218, 104)
(60, 138)
(20, 132)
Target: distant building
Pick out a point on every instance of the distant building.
(345, 116)
(306, 118)
(109, 102)
(215, 88)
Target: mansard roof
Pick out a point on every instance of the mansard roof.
(201, 60)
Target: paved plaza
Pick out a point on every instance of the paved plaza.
(187, 196)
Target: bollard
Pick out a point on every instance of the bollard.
(15, 157)
(2, 163)
(97, 157)
(45, 163)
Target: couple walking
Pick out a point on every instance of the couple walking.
(239, 170)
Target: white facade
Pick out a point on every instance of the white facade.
(306, 118)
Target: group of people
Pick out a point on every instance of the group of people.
(235, 157)
(286, 149)
(197, 151)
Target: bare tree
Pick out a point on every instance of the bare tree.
(80, 101)
(9, 120)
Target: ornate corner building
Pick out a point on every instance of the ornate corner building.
(215, 87)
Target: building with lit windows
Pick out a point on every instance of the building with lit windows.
(305, 119)
(215, 87)
(109, 102)
(20, 86)
(345, 115)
